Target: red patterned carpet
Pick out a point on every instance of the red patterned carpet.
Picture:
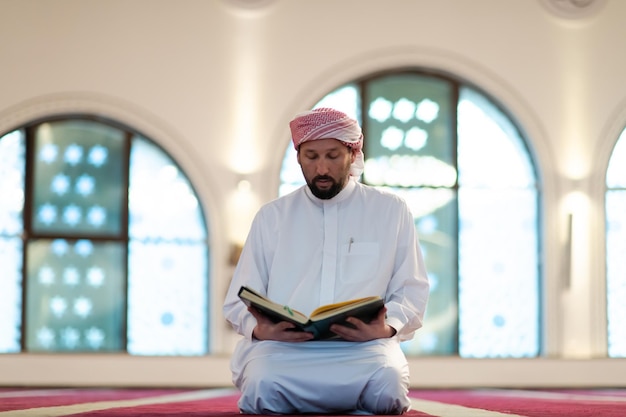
(223, 402)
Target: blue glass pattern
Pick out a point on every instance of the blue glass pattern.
(434, 212)
(616, 272)
(498, 241)
(409, 138)
(409, 146)
(615, 249)
(12, 163)
(167, 298)
(498, 273)
(168, 258)
(489, 143)
(77, 288)
(10, 294)
(79, 178)
(162, 203)
(75, 296)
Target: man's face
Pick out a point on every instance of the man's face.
(325, 164)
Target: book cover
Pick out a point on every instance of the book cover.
(321, 319)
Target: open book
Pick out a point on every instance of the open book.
(319, 322)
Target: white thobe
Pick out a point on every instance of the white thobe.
(305, 252)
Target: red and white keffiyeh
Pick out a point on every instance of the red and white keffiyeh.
(327, 123)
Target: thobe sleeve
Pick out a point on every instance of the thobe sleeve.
(407, 292)
(251, 271)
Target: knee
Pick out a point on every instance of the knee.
(387, 392)
(261, 393)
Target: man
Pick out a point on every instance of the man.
(332, 240)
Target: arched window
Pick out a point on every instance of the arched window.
(463, 166)
(616, 248)
(103, 243)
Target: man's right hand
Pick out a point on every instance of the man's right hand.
(266, 329)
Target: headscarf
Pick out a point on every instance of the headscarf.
(327, 123)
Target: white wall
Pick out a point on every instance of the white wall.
(215, 82)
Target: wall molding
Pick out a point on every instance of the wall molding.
(574, 9)
(97, 370)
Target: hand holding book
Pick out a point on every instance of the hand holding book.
(360, 331)
(283, 331)
(365, 310)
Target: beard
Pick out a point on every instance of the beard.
(327, 193)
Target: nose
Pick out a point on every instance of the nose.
(322, 168)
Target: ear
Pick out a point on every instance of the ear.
(352, 155)
(298, 156)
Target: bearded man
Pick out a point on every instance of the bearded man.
(332, 240)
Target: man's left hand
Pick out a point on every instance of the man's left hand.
(375, 329)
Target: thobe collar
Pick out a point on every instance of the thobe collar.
(343, 194)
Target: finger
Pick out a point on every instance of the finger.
(380, 316)
(284, 332)
(285, 326)
(349, 334)
(297, 336)
(346, 332)
(355, 323)
(260, 317)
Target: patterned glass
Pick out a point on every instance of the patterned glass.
(498, 282)
(616, 247)
(478, 231)
(409, 144)
(75, 296)
(498, 243)
(434, 211)
(167, 298)
(489, 143)
(10, 294)
(90, 286)
(12, 158)
(79, 178)
(168, 266)
(409, 137)
(12, 163)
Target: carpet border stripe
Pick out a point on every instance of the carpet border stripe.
(439, 409)
(549, 395)
(63, 410)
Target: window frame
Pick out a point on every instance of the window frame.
(457, 83)
(122, 237)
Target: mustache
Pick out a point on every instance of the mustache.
(323, 178)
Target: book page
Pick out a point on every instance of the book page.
(260, 301)
(336, 307)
